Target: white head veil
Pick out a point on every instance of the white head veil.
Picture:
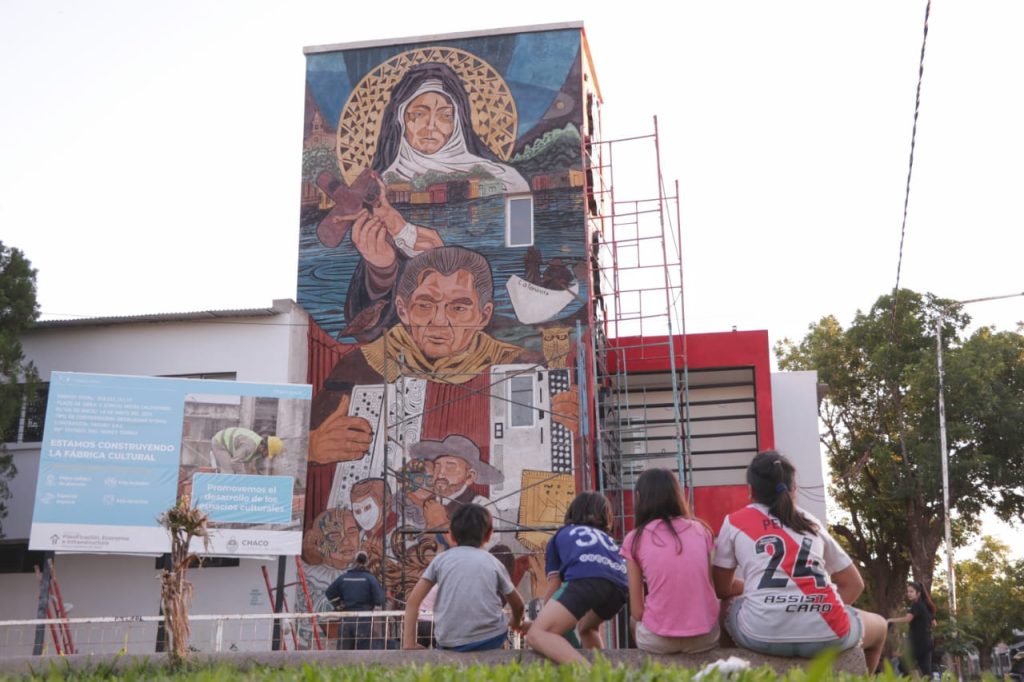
(453, 156)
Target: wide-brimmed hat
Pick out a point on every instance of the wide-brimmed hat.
(464, 449)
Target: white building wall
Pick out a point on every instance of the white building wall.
(795, 418)
(269, 349)
(265, 349)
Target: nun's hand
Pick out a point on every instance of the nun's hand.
(370, 237)
(391, 217)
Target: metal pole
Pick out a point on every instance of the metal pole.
(43, 604)
(676, 411)
(945, 474)
(945, 449)
(161, 628)
(278, 596)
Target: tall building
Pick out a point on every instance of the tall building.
(447, 272)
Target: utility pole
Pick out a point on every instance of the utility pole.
(945, 449)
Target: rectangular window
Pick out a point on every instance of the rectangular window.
(519, 220)
(201, 562)
(26, 426)
(16, 558)
(35, 415)
(521, 396)
(265, 417)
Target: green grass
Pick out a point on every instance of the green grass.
(817, 671)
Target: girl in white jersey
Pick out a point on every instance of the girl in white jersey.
(791, 580)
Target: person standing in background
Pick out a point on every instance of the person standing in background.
(356, 590)
(921, 618)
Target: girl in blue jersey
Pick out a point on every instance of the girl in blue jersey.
(583, 556)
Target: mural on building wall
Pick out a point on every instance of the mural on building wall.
(443, 255)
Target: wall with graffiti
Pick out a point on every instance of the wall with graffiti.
(443, 259)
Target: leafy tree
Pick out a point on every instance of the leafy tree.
(18, 311)
(880, 421)
(990, 597)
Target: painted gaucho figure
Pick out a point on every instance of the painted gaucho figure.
(443, 262)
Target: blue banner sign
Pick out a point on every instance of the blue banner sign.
(118, 451)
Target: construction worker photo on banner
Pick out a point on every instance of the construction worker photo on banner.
(239, 437)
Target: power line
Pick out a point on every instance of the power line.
(910, 170)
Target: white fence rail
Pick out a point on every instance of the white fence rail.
(216, 632)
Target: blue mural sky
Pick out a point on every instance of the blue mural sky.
(534, 65)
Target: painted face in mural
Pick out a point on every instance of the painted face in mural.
(429, 122)
(419, 483)
(366, 512)
(340, 535)
(367, 503)
(555, 342)
(451, 474)
(443, 313)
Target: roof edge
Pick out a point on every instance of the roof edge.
(278, 307)
(383, 42)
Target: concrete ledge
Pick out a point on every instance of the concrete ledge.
(851, 660)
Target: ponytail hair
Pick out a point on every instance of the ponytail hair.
(923, 595)
(771, 478)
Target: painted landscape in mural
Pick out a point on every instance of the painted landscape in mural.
(443, 259)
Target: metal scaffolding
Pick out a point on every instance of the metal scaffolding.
(629, 417)
(638, 344)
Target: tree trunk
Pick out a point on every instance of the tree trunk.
(985, 657)
(885, 569)
(887, 591)
(925, 534)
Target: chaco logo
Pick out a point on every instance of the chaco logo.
(232, 545)
(256, 543)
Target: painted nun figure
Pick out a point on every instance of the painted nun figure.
(426, 127)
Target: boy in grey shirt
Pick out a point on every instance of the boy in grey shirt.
(472, 587)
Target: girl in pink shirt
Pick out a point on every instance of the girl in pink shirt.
(670, 551)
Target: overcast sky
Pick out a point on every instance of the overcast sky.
(150, 152)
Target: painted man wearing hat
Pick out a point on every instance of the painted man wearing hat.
(456, 466)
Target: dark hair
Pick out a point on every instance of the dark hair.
(447, 260)
(391, 128)
(659, 497)
(503, 553)
(923, 595)
(369, 487)
(362, 557)
(470, 525)
(590, 509)
(771, 477)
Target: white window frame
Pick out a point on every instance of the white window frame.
(512, 405)
(508, 219)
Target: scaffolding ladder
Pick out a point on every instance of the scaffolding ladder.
(272, 593)
(642, 414)
(63, 644)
